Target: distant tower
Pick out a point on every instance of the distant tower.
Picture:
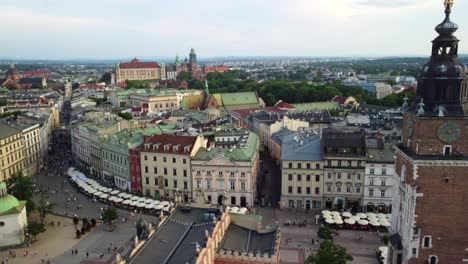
(177, 60)
(207, 91)
(193, 60)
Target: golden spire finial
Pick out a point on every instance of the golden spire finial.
(448, 3)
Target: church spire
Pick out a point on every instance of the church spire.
(207, 91)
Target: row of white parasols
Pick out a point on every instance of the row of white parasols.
(335, 217)
(92, 187)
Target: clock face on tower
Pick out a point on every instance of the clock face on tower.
(410, 126)
(448, 132)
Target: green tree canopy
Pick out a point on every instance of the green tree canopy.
(125, 115)
(109, 216)
(106, 77)
(329, 253)
(20, 186)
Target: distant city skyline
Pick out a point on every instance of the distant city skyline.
(114, 29)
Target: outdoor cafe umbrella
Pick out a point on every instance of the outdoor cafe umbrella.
(149, 206)
(127, 202)
(149, 201)
(374, 223)
(98, 193)
(114, 192)
(346, 214)
(380, 215)
(325, 212)
(363, 222)
(385, 223)
(243, 210)
(112, 198)
(371, 215)
(350, 221)
(133, 203)
(361, 215)
(103, 196)
(328, 216)
(338, 221)
(335, 213)
(118, 200)
(329, 221)
(158, 207)
(140, 204)
(166, 209)
(122, 194)
(165, 203)
(141, 199)
(134, 198)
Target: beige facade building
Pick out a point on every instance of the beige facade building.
(226, 172)
(138, 70)
(166, 167)
(301, 171)
(344, 153)
(11, 151)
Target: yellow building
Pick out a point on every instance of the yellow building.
(138, 70)
(11, 151)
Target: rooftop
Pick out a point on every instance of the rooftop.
(384, 155)
(317, 106)
(169, 144)
(7, 131)
(301, 146)
(135, 64)
(242, 239)
(245, 153)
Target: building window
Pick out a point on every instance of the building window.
(146, 180)
(185, 185)
(447, 150)
(349, 176)
(414, 252)
(233, 185)
(146, 157)
(308, 165)
(290, 177)
(166, 183)
(164, 159)
(243, 174)
(427, 242)
(308, 178)
(317, 166)
(146, 169)
(184, 161)
(156, 181)
(299, 177)
(198, 173)
(339, 175)
(328, 188)
(290, 164)
(371, 181)
(174, 172)
(317, 190)
(358, 189)
(155, 170)
(382, 182)
(243, 186)
(199, 184)
(329, 175)
(384, 172)
(208, 184)
(165, 171)
(307, 190)
(299, 190)
(372, 171)
(349, 163)
(220, 173)
(185, 173)
(299, 166)
(173, 160)
(358, 176)
(221, 185)
(154, 158)
(433, 259)
(348, 189)
(175, 183)
(317, 178)
(338, 189)
(371, 192)
(339, 163)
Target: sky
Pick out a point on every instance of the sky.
(112, 29)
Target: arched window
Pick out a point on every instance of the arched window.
(427, 242)
(403, 173)
(433, 259)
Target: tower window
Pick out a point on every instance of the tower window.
(427, 242)
(433, 259)
(447, 150)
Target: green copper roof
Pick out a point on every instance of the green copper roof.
(317, 106)
(239, 98)
(7, 203)
(237, 154)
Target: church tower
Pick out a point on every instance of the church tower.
(193, 61)
(429, 207)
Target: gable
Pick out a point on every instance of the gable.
(219, 160)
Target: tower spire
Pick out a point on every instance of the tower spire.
(207, 91)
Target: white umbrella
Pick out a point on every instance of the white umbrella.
(122, 194)
(98, 193)
(133, 203)
(103, 196)
(165, 203)
(385, 223)
(371, 215)
(243, 210)
(166, 209)
(118, 200)
(149, 201)
(141, 199)
(374, 223)
(112, 198)
(346, 214)
(328, 216)
(127, 202)
(235, 208)
(92, 191)
(329, 221)
(114, 192)
(381, 215)
(149, 206)
(338, 221)
(363, 222)
(350, 221)
(325, 212)
(134, 198)
(140, 204)
(361, 215)
(158, 207)
(335, 213)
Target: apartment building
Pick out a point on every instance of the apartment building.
(11, 151)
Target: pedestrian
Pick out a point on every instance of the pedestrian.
(87, 254)
(108, 250)
(76, 251)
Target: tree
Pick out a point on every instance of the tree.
(106, 77)
(125, 115)
(22, 188)
(35, 228)
(44, 208)
(109, 216)
(329, 253)
(325, 233)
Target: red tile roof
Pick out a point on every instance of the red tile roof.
(135, 64)
(169, 144)
(282, 104)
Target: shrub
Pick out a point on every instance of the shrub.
(325, 233)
